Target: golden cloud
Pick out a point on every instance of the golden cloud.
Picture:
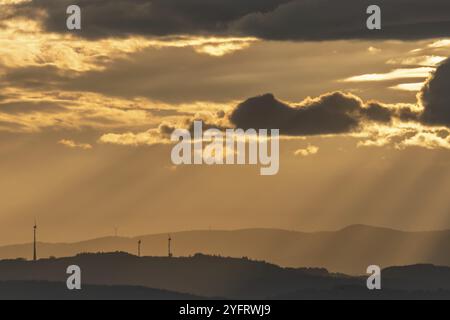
(75, 145)
(422, 72)
(151, 137)
(25, 43)
(308, 151)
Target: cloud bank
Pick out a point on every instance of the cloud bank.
(332, 113)
(314, 20)
(377, 124)
(435, 97)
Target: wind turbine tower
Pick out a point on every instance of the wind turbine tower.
(34, 241)
(170, 247)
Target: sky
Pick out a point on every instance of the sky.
(86, 116)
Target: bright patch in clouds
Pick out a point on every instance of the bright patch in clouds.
(423, 61)
(414, 87)
(148, 138)
(308, 151)
(422, 72)
(24, 43)
(75, 145)
(440, 44)
(373, 50)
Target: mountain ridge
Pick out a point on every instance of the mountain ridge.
(349, 227)
(349, 250)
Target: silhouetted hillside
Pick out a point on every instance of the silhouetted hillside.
(349, 250)
(209, 276)
(199, 275)
(43, 290)
(360, 293)
(417, 277)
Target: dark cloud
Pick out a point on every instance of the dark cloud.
(10, 126)
(104, 18)
(267, 19)
(377, 112)
(435, 97)
(346, 19)
(30, 106)
(331, 113)
(34, 77)
(408, 114)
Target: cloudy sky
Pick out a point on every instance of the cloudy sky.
(85, 115)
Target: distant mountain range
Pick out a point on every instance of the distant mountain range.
(350, 250)
(121, 275)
